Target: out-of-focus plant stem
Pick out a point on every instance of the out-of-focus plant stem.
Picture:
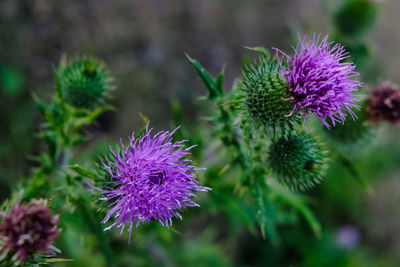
(94, 226)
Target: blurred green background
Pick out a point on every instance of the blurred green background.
(143, 44)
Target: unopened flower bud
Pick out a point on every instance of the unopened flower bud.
(83, 83)
(298, 161)
(263, 97)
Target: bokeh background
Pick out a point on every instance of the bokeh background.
(143, 44)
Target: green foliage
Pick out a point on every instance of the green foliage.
(353, 135)
(358, 50)
(11, 81)
(355, 17)
(255, 215)
(297, 160)
(81, 88)
(83, 82)
(248, 153)
(263, 94)
(214, 86)
(37, 260)
(298, 203)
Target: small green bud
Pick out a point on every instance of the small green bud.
(83, 83)
(298, 161)
(354, 17)
(262, 97)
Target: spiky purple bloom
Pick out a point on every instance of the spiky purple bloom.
(150, 179)
(320, 83)
(28, 229)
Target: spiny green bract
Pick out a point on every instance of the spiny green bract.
(262, 97)
(297, 160)
(355, 17)
(83, 83)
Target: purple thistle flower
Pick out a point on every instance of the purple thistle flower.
(319, 82)
(28, 229)
(150, 179)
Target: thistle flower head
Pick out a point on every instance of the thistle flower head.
(150, 180)
(384, 104)
(83, 83)
(28, 229)
(262, 94)
(319, 82)
(297, 160)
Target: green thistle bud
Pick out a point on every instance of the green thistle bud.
(351, 136)
(355, 17)
(83, 83)
(298, 161)
(262, 97)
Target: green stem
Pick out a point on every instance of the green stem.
(97, 231)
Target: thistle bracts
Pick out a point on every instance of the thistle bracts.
(81, 88)
(261, 98)
(297, 160)
(26, 230)
(83, 82)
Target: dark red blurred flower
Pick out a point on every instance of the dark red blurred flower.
(384, 104)
(28, 229)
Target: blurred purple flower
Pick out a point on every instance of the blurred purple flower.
(28, 229)
(319, 82)
(348, 237)
(150, 180)
(384, 104)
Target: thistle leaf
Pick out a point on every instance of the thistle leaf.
(82, 171)
(214, 86)
(265, 211)
(297, 202)
(259, 49)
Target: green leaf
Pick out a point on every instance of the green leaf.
(90, 117)
(260, 49)
(352, 170)
(214, 86)
(39, 103)
(83, 171)
(297, 202)
(52, 143)
(219, 82)
(56, 260)
(233, 207)
(84, 206)
(265, 211)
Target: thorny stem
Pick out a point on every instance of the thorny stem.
(230, 139)
(58, 160)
